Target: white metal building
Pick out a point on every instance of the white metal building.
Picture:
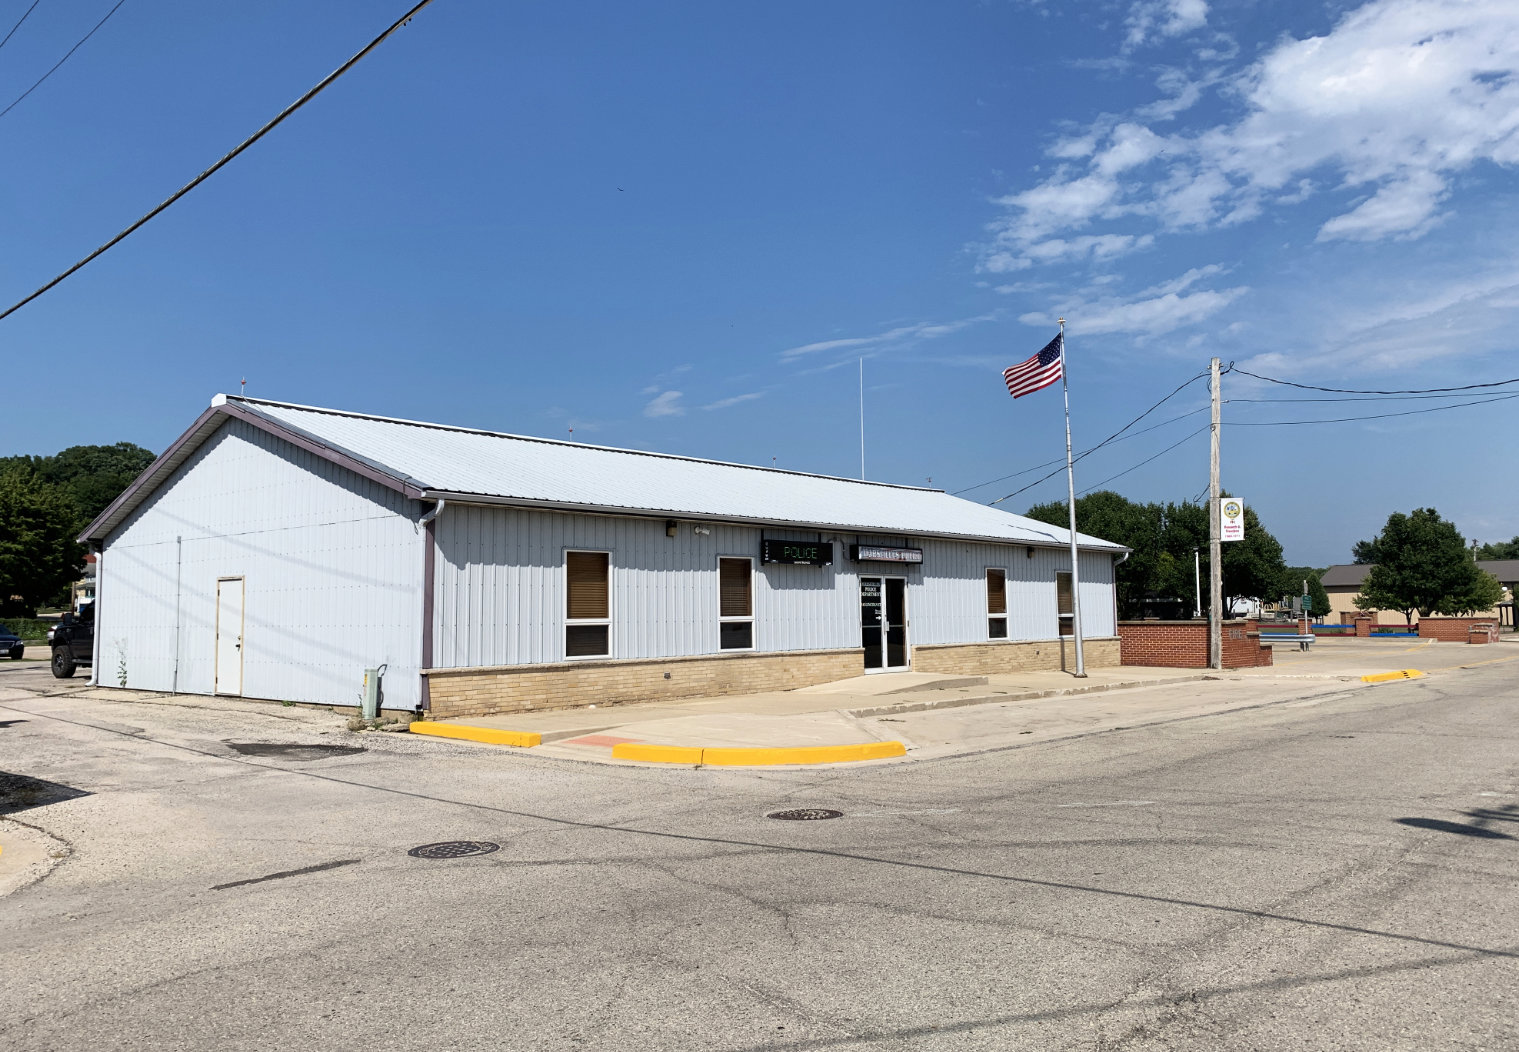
(276, 551)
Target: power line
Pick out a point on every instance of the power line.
(1353, 398)
(1183, 386)
(203, 176)
(1145, 461)
(1374, 416)
(1348, 390)
(1047, 463)
(61, 61)
(17, 26)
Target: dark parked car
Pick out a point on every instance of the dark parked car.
(10, 643)
(74, 643)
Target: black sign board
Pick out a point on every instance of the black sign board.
(797, 553)
(873, 553)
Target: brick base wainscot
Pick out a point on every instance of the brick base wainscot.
(532, 688)
(994, 658)
(1184, 644)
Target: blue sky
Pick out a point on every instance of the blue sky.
(680, 226)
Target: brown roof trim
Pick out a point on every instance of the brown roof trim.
(196, 434)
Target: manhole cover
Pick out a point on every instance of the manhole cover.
(805, 814)
(288, 751)
(454, 849)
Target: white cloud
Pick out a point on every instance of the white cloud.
(666, 404)
(901, 336)
(1152, 19)
(724, 403)
(1159, 309)
(1385, 109)
(1406, 208)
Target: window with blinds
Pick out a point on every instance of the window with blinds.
(587, 614)
(1064, 603)
(735, 604)
(996, 604)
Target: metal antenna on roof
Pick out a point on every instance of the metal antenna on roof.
(243, 387)
(862, 419)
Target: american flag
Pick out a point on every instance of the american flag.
(1038, 372)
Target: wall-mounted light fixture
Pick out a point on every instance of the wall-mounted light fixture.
(1029, 551)
(671, 526)
(701, 531)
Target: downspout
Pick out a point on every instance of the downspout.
(1121, 560)
(99, 551)
(429, 564)
(179, 553)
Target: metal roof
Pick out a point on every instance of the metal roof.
(1353, 575)
(437, 461)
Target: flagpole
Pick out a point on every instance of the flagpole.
(1070, 478)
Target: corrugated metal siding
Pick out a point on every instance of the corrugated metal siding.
(947, 601)
(332, 566)
(567, 473)
(500, 588)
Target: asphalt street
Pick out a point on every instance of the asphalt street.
(1335, 872)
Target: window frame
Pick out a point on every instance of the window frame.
(735, 619)
(577, 622)
(992, 615)
(1065, 623)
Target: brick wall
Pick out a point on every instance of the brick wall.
(1450, 629)
(1184, 644)
(991, 659)
(530, 688)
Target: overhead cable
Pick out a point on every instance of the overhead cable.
(1373, 416)
(16, 101)
(1349, 390)
(1047, 463)
(1183, 386)
(1145, 461)
(17, 26)
(203, 176)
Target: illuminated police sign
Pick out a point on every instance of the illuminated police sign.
(797, 553)
(870, 553)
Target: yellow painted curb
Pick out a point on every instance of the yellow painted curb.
(656, 753)
(488, 735)
(735, 757)
(1386, 677)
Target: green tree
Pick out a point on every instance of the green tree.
(1164, 538)
(1499, 550)
(95, 475)
(1115, 518)
(38, 554)
(1254, 567)
(1422, 564)
(1292, 585)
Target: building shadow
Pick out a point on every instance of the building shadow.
(19, 792)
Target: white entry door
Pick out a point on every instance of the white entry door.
(229, 636)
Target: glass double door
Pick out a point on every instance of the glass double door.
(883, 623)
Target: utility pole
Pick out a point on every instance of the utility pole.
(1215, 533)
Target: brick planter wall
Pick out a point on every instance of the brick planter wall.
(532, 688)
(1449, 629)
(1184, 644)
(990, 659)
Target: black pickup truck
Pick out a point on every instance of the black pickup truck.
(74, 643)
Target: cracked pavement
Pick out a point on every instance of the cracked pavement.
(1336, 875)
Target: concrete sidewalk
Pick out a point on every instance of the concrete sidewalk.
(939, 714)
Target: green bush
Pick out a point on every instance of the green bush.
(31, 629)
